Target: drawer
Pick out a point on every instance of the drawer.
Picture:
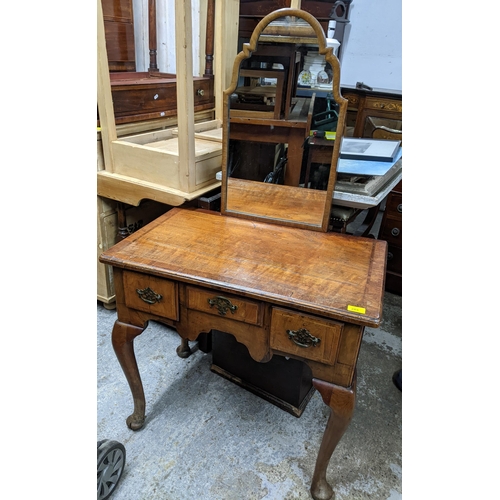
(151, 294)
(394, 205)
(394, 259)
(353, 99)
(144, 99)
(157, 97)
(228, 306)
(380, 103)
(392, 230)
(306, 336)
(203, 92)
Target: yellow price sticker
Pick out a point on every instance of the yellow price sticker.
(356, 309)
(327, 134)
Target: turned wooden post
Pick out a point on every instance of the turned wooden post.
(122, 220)
(153, 66)
(209, 42)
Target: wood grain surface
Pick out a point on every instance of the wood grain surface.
(322, 273)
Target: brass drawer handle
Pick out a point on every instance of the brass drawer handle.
(395, 231)
(223, 305)
(148, 296)
(303, 338)
(200, 92)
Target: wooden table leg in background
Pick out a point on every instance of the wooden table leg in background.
(123, 344)
(184, 351)
(122, 220)
(341, 401)
(365, 227)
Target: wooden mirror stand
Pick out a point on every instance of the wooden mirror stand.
(266, 124)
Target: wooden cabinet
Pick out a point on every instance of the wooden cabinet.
(145, 96)
(365, 104)
(391, 230)
(119, 29)
(107, 230)
(367, 109)
(252, 11)
(108, 235)
(151, 94)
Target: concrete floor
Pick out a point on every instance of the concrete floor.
(207, 438)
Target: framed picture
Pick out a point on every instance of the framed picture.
(369, 149)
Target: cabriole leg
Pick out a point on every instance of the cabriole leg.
(123, 343)
(341, 402)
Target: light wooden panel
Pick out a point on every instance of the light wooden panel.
(184, 64)
(226, 47)
(104, 98)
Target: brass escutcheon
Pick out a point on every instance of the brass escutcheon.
(303, 338)
(223, 305)
(148, 296)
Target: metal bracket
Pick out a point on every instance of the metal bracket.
(303, 338)
(148, 295)
(223, 305)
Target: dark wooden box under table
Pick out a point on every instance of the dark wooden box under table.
(284, 382)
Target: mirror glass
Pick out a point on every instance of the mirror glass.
(283, 124)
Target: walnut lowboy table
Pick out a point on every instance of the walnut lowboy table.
(279, 290)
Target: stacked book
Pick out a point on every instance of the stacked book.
(366, 165)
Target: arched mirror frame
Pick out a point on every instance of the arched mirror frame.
(246, 52)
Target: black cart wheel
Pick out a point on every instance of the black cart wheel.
(110, 464)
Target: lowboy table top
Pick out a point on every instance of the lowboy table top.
(321, 273)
